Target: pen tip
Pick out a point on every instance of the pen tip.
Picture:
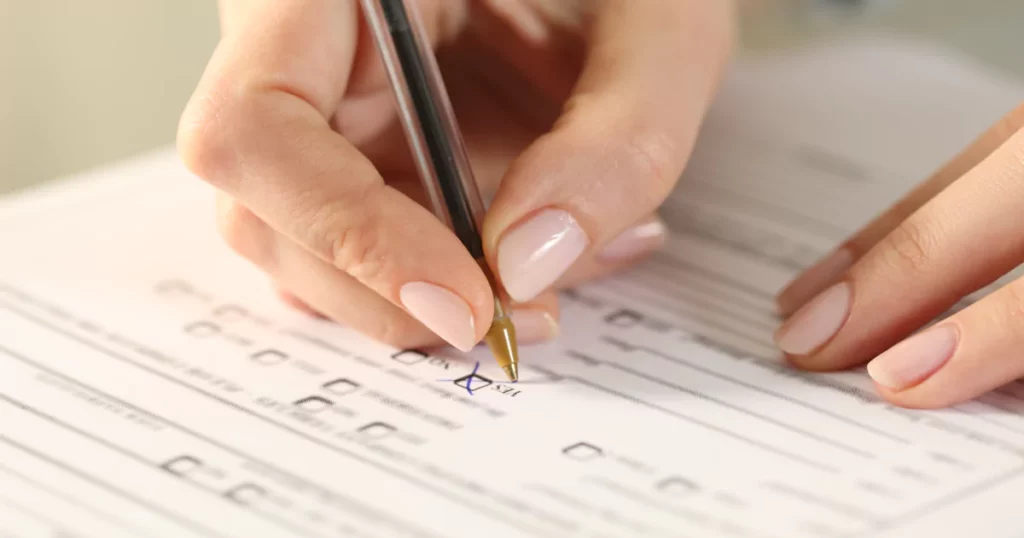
(512, 371)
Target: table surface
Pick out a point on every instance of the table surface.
(49, 137)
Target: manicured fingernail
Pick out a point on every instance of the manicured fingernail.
(534, 325)
(914, 359)
(815, 279)
(816, 322)
(635, 242)
(534, 254)
(441, 311)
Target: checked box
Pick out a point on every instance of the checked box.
(472, 382)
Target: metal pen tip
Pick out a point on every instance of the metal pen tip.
(512, 371)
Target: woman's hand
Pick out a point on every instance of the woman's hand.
(956, 233)
(579, 116)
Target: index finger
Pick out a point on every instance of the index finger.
(258, 130)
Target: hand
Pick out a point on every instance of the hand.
(584, 113)
(956, 233)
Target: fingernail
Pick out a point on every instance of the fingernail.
(441, 311)
(816, 322)
(814, 279)
(914, 359)
(534, 325)
(534, 254)
(635, 242)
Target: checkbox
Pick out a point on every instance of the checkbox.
(313, 404)
(376, 430)
(230, 312)
(409, 356)
(269, 357)
(182, 465)
(472, 382)
(203, 329)
(341, 386)
(583, 452)
(245, 493)
(624, 318)
(677, 485)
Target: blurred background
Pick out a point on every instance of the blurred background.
(89, 82)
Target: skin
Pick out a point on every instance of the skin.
(957, 232)
(564, 104)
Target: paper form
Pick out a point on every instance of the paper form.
(151, 386)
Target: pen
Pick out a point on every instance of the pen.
(438, 149)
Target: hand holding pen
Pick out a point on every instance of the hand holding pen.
(578, 118)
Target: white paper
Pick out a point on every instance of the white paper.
(150, 385)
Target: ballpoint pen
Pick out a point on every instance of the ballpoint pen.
(438, 149)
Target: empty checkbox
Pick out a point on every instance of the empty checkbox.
(341, 386)
(376, 430)
(202, 329)
(230, 312)
(245, 493)
(472, 382)
(409, 356)
(269, 357)
(624, 318)
(583, 452)
(313, 404)
(676, 485)
(182, 465)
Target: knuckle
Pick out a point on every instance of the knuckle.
(656, 156)
(910, 247)
(351, 241)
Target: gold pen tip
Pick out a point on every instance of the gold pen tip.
(501, 338)
(512, 371)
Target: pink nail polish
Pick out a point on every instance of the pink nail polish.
(914, 359)
(817, 322)
(534, 254)
(534, 325)
(441, 311)
(634, 242)
(815, 279)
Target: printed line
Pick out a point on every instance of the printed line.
(789, 427)
(70, 500)
(682, 294)
(816, 499)
(712, 297)
(51, 522)
(692, 420)
(989, 420)
(149, 464)
(423, 484)
(730, 283)
(831, 414)
(613, 288)
(197, 527)
(356, 507)
(932, 507)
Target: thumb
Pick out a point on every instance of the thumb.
(620, 145)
